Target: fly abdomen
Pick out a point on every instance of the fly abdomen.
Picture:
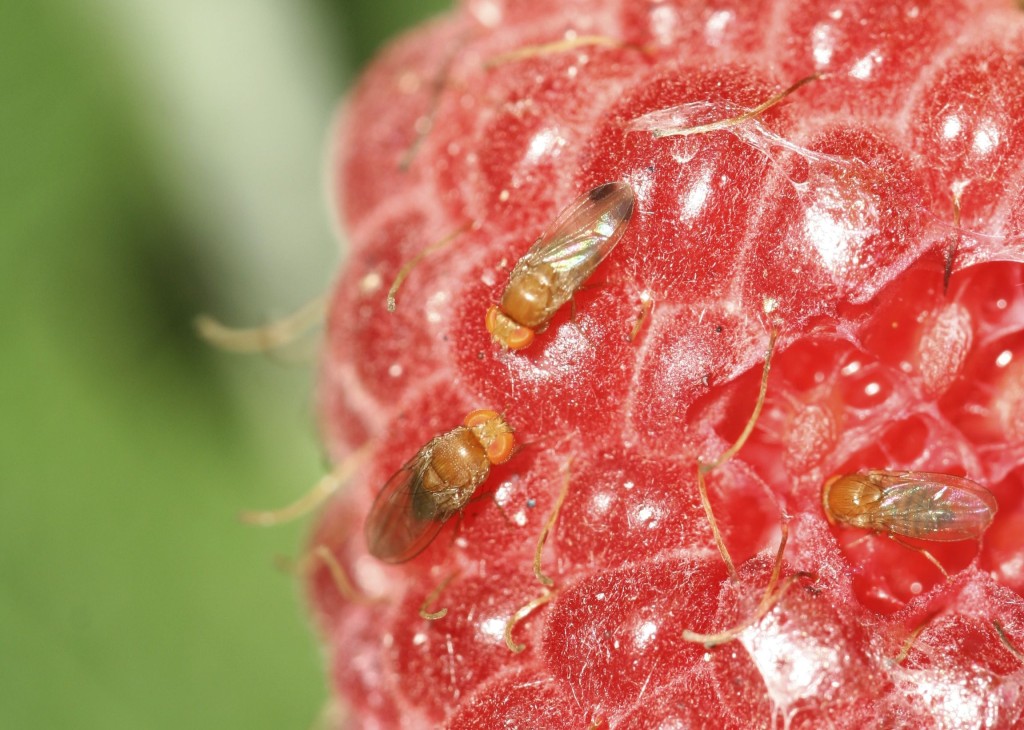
(914, 513)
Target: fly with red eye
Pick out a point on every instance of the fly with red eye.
(547, 276)
(414, 504)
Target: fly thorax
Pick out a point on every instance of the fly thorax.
(454, 499)
(458, 462)
(852, 498)
(527, 298)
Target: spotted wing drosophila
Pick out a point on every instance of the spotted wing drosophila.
(419, 498)
(559, 262)
(921, 505)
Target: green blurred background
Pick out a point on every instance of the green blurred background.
(161, 160)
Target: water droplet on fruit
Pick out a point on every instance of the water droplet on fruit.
(1004, 358)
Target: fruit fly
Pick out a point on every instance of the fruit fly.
(559, 262)
(415, 503)
(936, 507)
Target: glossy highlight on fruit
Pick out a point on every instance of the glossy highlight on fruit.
(872, 218)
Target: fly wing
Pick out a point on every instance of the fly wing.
(404, 518)
(936, 507)
(583, 235)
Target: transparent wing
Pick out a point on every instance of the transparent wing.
(583, 235)
(936, 507)
(682, 118)
(404, 518)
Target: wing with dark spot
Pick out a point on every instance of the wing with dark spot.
(583, 235)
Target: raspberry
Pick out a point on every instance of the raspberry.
(872, 218)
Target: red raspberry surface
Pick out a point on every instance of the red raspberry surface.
(879, 364)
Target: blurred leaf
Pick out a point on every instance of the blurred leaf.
(373, 22)
(131, 595)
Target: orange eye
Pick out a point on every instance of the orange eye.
(480, 417)
(519, 338)
(491, 319)
(494, 434)
(500, 449)
(506, 331)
